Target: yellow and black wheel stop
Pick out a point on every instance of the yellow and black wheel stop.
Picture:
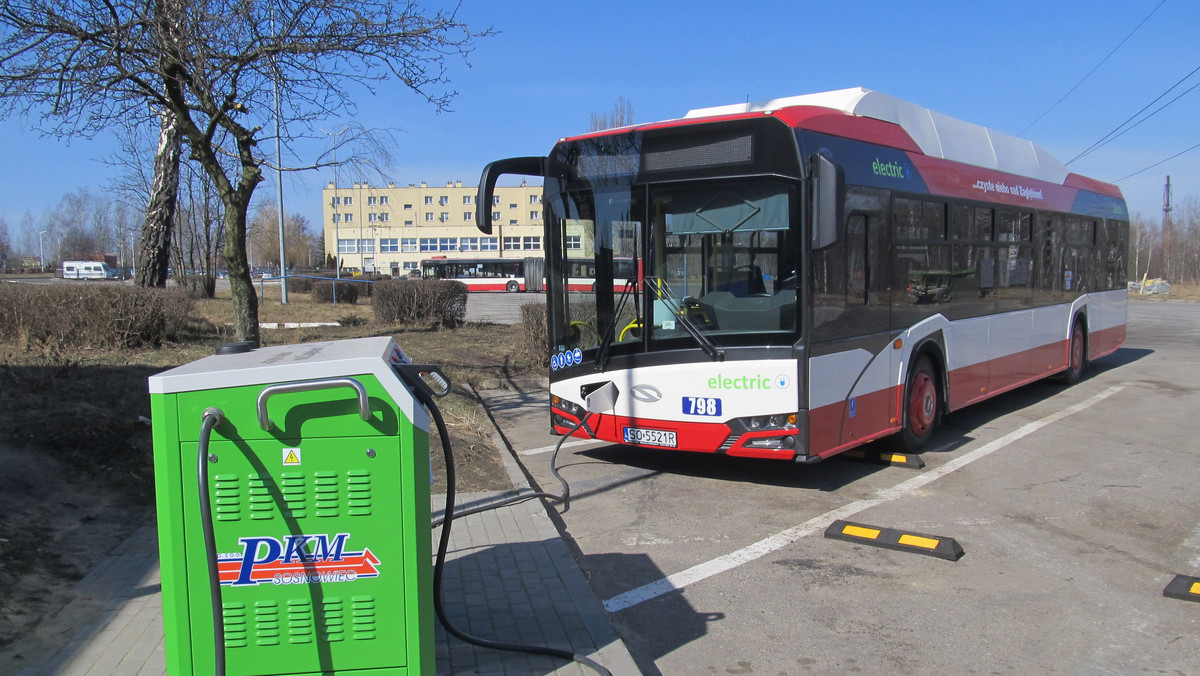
(890, 538)
(1183, 587)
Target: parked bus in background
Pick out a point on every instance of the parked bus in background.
(486, 274)
(87, 270)
(814, 273)
(581, 273)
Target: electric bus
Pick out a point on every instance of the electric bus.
(813, 273)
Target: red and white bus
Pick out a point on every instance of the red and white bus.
(816, 272)
(482, 274)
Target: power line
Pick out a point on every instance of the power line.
(1106, 138)
(1135, 124)
(1182, 152)
(1093, 70)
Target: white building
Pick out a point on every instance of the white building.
(391, 229)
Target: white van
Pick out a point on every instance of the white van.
(87, 270)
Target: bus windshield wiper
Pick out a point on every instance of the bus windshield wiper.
(610, 334)
(664, 293)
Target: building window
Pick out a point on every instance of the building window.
(335, 201)
(408, 245)
(408, 207)
(347, 201)
(444, 216)
(337, 218)
(535, 199)
(512, 243)
(410, 265)
(372, 201)
(389, 245)
(408, 224)
(429, 244)
(443, 200)
(489, 244)
(349, 218)
(383, 200)
(385, 217)
(535, 215)
(468, 216)
(366, 246)
(572, 242)
(429, 217)
(495, 199)
(495, 215)
(372, 217)
(468, 199)
(448, 244)
(531, 243)
(468, 244)
(512, 206)
(429, 199)
(346, 246)
(513, 222)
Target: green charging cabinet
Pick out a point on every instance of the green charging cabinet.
(318, 478)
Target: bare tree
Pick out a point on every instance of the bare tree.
(264, 238)
(621, 115)
(214, 65)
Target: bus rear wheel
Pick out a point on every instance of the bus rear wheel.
(1077, 356)
(512, 286)
(922, 407)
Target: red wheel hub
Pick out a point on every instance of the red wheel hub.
(922, 403)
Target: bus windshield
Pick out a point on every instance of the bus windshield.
(673, 265)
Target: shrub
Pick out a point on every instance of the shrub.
(420, 301)
(534, 336)
(347, 292)
(97, 316)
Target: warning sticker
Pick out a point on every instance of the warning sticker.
(291, 457)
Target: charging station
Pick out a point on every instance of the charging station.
(292, 486)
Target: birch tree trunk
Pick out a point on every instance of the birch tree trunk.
(154, 252)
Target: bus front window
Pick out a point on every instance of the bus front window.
(673, 267)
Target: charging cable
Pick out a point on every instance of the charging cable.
(212, 417)
(424, 395)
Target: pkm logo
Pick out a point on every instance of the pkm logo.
(295, 559)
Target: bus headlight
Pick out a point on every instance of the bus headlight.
(777, 421)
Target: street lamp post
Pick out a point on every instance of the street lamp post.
(337, 254)
(42, 250)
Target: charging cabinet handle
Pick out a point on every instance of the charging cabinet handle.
(264, 420)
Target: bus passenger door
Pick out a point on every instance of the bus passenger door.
(851, 367)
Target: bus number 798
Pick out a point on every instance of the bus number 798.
(702, 406)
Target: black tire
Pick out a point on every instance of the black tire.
(512, 286)
(922, 407)
(1076, 354)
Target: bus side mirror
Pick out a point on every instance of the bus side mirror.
(827, 201)
(525, 166)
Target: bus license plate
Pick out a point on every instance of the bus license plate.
(645, 437)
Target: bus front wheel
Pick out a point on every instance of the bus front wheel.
(513, 286)
(922, 407)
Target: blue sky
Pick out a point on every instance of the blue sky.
(1000, 64)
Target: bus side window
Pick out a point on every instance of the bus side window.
(840, 278)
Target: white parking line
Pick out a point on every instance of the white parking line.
(566, 444)
(783, 538)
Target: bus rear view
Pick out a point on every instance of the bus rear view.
(755, 289)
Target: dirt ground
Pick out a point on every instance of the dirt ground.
(76, 470)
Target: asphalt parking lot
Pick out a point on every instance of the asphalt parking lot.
(1075, 507)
